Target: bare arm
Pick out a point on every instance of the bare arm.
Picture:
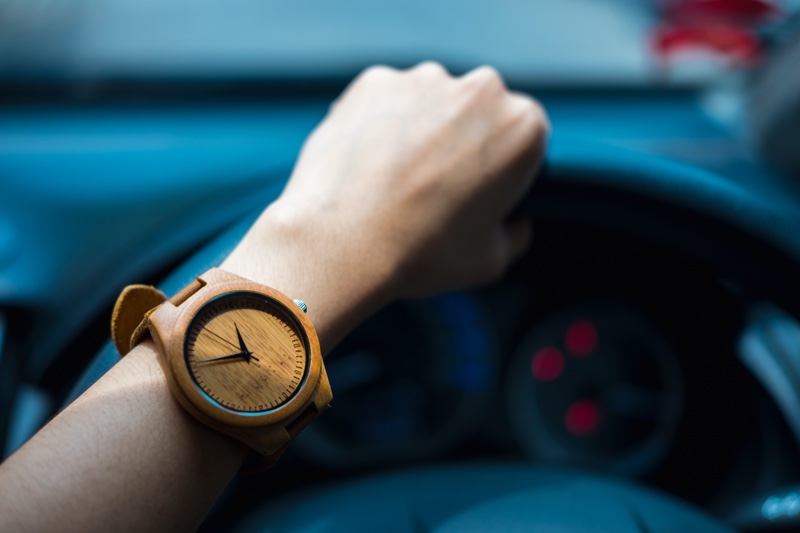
(402, 191)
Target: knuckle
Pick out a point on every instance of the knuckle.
(430, 68)
(531, 117)
(486, 77)
(538, 117)
(377, 72)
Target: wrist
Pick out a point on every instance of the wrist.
(303, 256)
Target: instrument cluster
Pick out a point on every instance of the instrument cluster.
(412, 382)
(597, 351)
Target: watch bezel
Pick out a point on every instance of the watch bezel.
(177, 320)
(260, 297)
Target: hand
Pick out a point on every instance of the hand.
(421, 170)
(404, 190)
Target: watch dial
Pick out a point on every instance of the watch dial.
(246, 352)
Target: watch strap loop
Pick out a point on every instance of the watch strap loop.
(182, 295)
(129, 318)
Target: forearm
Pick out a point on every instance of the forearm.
(122, 457)
(125, 455)
(342, 279)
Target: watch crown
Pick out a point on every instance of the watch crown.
(302, 305)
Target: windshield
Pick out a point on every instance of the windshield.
(541, 42)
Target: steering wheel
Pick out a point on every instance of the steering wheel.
(744, 229)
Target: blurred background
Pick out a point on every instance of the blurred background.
(572, 42)
(567, 43)
(138, 139)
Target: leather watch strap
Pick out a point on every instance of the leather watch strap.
(185, 293)
(265, 460)
(134, 305)
(132, 311)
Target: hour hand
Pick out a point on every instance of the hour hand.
(240, 355)
(247, 354)
(242, 345)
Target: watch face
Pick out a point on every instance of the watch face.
(246, 352)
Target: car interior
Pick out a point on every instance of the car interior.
(639, 366)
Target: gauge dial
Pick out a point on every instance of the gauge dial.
(410, 382)
(246, 353)
(596, 385)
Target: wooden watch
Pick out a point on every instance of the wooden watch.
(240, 357)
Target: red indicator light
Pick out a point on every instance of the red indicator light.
(581, 339)
(737, 44)
(583, 418)
(735, 12)
(547, 364)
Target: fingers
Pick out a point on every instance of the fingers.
(511, 241)
(528, 143)
(368, 76)
(522, 146)
(524, 128)
(518, 234)
(453, 155)
(484, 77)
(431, 69)
(427, 71)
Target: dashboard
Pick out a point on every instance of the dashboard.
(648, 334)
(598, 351)
(596, 364)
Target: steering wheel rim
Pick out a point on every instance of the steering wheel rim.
(481, 497)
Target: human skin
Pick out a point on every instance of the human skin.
(404, 190)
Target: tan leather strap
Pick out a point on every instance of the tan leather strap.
(260, 462)
(134, 304)
(184, 294)
(129, 320)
